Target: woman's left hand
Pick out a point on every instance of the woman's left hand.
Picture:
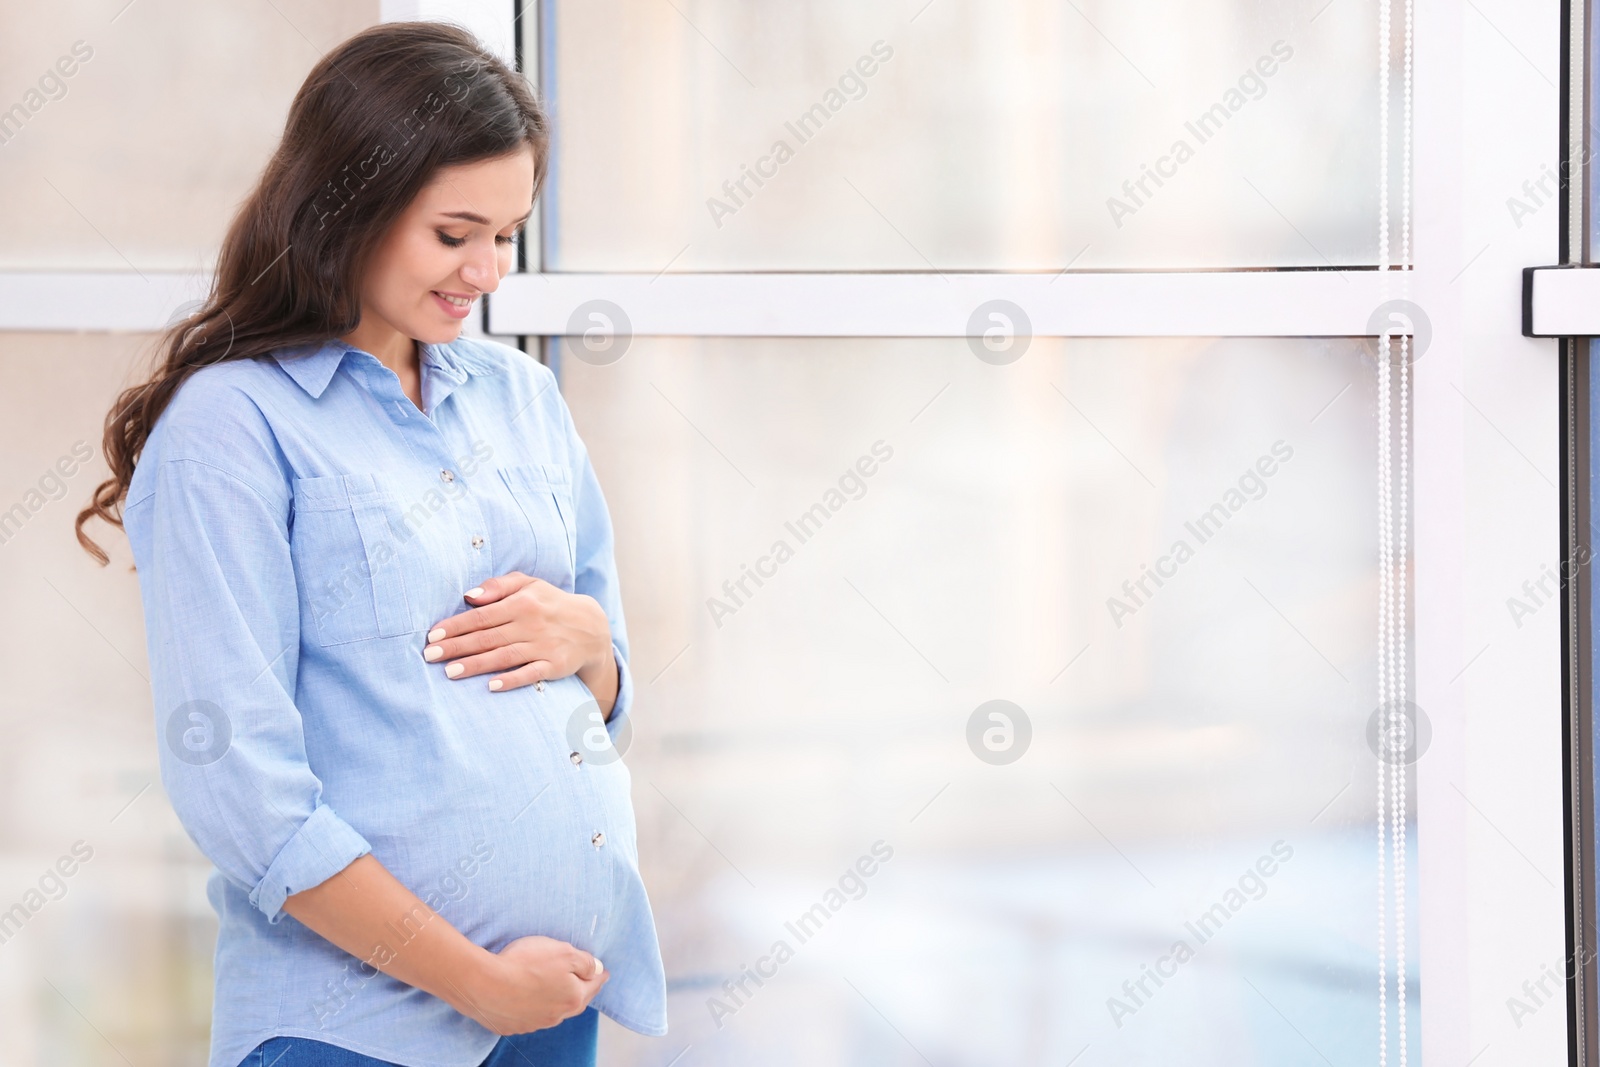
(525, 627)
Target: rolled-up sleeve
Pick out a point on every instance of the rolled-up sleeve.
(596, 562)
(223, 623)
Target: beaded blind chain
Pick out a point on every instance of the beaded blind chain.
(1393, 367)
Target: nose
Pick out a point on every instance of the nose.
(482, 268)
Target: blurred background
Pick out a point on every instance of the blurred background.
(1155, 747)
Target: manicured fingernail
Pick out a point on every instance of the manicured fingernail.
(475, 592)
(432, 652)
(436, 634)
(454, 670)
(599, 968)
(495, 683)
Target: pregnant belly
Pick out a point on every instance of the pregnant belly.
(484, 814)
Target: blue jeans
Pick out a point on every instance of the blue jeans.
(571, 1043)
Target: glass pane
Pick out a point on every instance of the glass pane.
(110, 964)
(729, 135)
(836, 554)
(127, 146)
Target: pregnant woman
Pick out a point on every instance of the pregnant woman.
(387, 650)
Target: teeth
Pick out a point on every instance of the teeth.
(459, 302)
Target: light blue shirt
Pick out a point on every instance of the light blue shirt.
(298, 525)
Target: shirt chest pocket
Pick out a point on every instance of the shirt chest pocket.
(350, 543)
(543, 493)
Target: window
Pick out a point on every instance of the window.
(1068, 346)
(729, 350)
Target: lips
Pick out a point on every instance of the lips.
(455, 306)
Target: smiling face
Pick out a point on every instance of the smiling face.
(451, 245)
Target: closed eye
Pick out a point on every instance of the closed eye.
(456, 242)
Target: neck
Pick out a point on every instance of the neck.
(392, 348)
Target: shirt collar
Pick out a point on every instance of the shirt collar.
(313, 365)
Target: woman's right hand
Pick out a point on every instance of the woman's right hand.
(533, 984)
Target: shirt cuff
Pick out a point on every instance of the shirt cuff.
(624, 701)
(323, 846)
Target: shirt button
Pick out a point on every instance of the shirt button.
(477, 542)
(538, 683)
(447, 476)
(576, 757)
(598, 839)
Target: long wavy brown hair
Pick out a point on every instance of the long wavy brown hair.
(372, 123)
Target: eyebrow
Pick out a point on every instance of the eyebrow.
(473, 216)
